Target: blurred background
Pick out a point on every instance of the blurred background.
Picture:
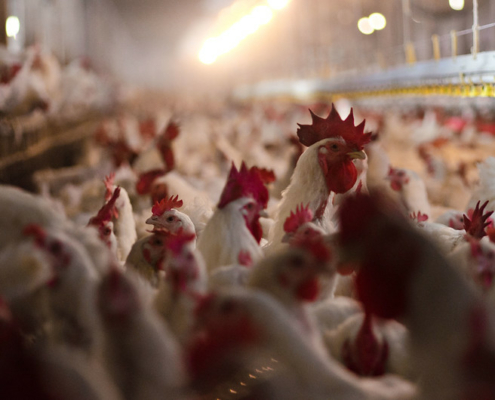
(155, 43)
(67, 64)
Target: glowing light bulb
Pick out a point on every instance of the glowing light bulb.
(364, 26)
(456, 4)
(277, 4)
(12, 26)
(377, 21)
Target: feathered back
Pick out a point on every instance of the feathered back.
(333, 126)
(244, 183)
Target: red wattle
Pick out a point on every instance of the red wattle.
(340, 176)
(308, 290)
(255, 229)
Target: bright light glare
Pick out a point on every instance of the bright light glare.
(230, 38)
(12, 26)
(456, 4)
(208, 53)
(364, 26)
(262, 14)
(377, 21)
(277, 4)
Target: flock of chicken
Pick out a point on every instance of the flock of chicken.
(35, 81)
(226, 258)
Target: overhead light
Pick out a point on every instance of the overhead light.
(364, 26)
(208, 53)
(377, 21)
(262, 14)
(236, 33)
(277, 4)
(12, 26)
(456, 4)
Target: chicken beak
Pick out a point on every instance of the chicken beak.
(361, 155)
(152, 220)
(263, 214)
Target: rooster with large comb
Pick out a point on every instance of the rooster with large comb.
(326, 168)
(235, 226)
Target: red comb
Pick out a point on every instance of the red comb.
(171, 131)
(166, 204)
(295, 220)
(371, 357)
(266, 175)
(244, 183)
(333, 126)
(37, 232)
(175, 243)
(418, 217)
(164, 144)
(146, 180)
(106, 212)
(478, 222)
(109, 182)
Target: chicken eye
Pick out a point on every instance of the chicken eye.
(400, 174)
(334, 147)
(170, 219)
(107, 231)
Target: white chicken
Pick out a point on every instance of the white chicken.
(371, 347)
(185, 281)
(140, 353)
(291, 277)
(485, 191)
(70, 291)
(234, 326)
(324, 169)
(235, 227)
(124, 225)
